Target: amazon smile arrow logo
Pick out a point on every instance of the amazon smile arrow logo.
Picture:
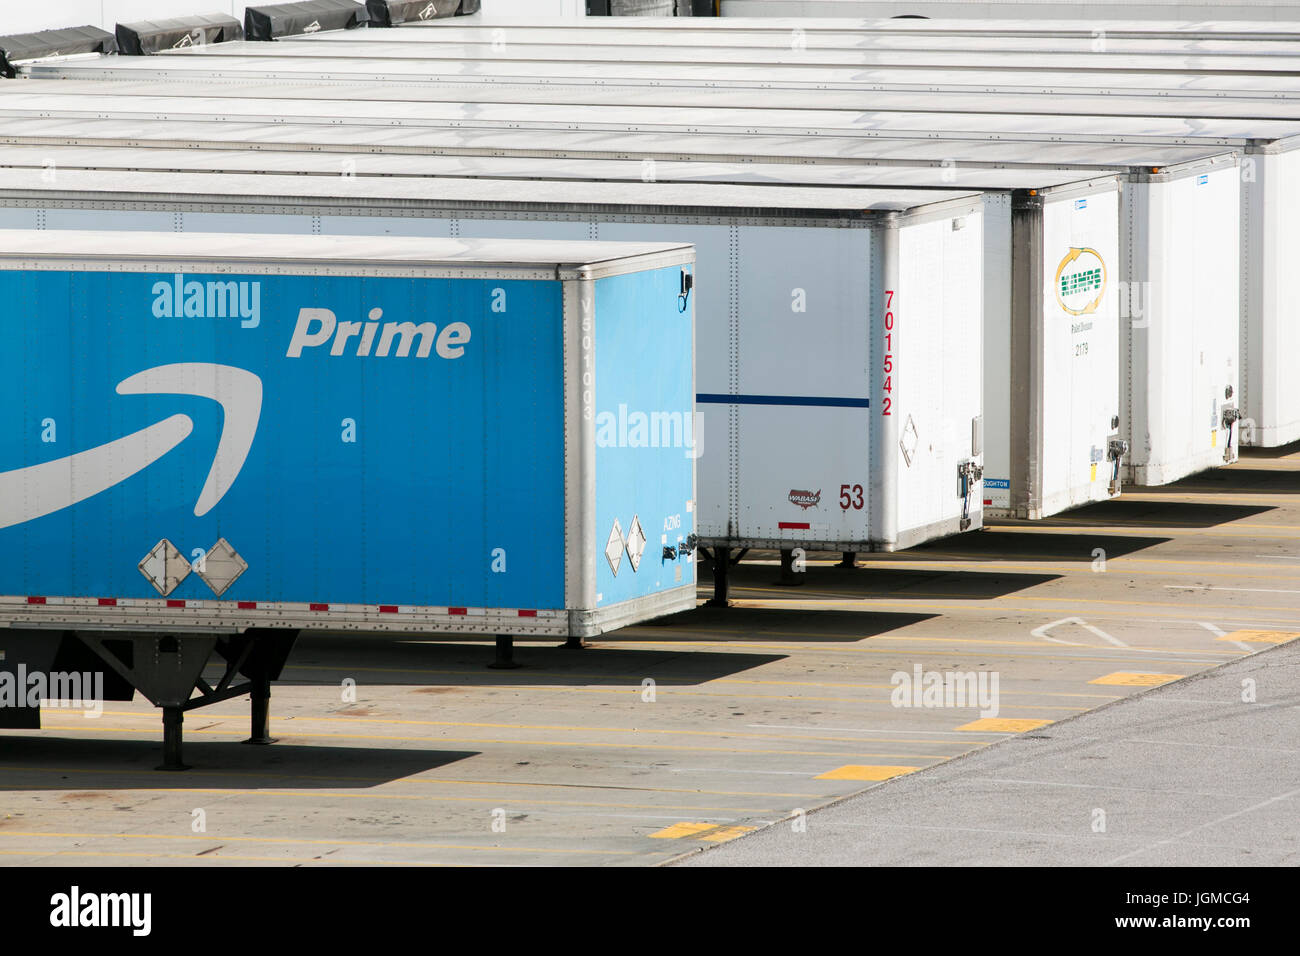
(39, 490)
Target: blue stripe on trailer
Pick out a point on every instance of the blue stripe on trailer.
(713, 398)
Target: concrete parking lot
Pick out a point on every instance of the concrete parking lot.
(664, 740)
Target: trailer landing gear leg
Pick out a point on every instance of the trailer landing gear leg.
(848, 559)
(173, 719)
(505, 659)
(721, 564)
(261, 723)
(573, 643)
(789, 576)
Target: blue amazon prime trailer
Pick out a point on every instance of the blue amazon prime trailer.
(213, 442)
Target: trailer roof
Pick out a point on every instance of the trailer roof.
(582, 92)
(735, 33)
(1222, 29)
(1021, 148)
(346, 47)
(405, 250)
(408, 70)
(336, 165)
(410, 194)
(1044, 9)
(94, 100)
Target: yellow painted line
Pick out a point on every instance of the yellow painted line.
(511, 743)
(1223, 497)
(856, 771)
(1013, 725)
(207, 839)
(991, 604)
(247, 791)
(679, 688)
(1260, 637)
(319, 794)
(563, 727)
(960, 562)
(726, 833)
(679, 830)
(1082, 566)
(1171, 530)
(1046, 655)
(439, 781)
(1066, 605)
(345, 795)
(1131, 679)
(857, 648)
(123, 854)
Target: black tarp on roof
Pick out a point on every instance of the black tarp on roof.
(389, 13)
(154, 36)
(32, 46)
(309, 16)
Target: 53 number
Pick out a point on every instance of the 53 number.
(851, 496)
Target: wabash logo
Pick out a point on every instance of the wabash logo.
(805, 499)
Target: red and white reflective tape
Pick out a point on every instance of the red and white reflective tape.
(186, 604)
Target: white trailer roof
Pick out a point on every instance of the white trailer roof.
(411, 193)
(1223, 29)
(343, 250)
(998, 148)
(51, 99)
(733, 33)
(1042, 9)
(335, 165)
(407, 70)
(664, 54)
(587, 93)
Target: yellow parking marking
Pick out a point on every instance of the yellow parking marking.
(1129, 679)
(678, 685)
(855, 771)
(1013, 725)
(440, 781)
(1081, 524)
(679, 830)
(726, 833)
(493, 740)
(525, 804)
(991, 604)
(310, 861)
(564, 727)
(1260, 637)
(208, 839)
(962, 562)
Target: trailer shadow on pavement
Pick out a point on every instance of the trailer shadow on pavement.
(1007, 542)
(1238, 480)
(1156, 513)
(876, 581)
(330, 659)
(79, 768)
(1252, 453)
(749, 623)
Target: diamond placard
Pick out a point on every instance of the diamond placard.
(614, 547)
(165, 567)
(221, 567)
(635, 542)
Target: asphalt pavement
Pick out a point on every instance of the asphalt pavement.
(1201, 772)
